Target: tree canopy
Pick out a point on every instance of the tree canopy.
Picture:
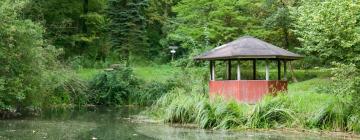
(329, 29)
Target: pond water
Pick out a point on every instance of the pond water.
(114, 124)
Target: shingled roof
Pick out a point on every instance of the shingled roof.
(248, 47)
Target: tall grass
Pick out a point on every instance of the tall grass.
(181, 107)
(272, 112)
(332, 116)
(305, 110)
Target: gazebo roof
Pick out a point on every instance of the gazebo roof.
(248, 47)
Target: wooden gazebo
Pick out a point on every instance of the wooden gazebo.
(247, 48)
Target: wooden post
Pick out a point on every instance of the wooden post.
(210, 67)
(267, 70)
(212, 70)
(285, 74)
(238, 71)
(254, 69)
(229, 70)
(279, 69)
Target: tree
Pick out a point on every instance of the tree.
(329, 29)
(77, 26)
(158, 14)
(24, 59)
(280, 19)
(128, 27)
(203, 24)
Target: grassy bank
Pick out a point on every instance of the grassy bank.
(301, 108)
(176, 101)
(159, 73)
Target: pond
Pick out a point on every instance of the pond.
(114, 124)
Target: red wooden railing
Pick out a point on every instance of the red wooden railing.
(246, 91)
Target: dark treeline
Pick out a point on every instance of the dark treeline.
(101, 30)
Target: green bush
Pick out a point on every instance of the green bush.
(121, 87)
(116, 87)
(345, 83)
(72, 91)
(30, 74)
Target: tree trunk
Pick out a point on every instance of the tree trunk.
(287, 46)
(85, 12)
(292, 72)
(286, 38)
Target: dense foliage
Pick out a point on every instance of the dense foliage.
(99, 31)
(31, 75)
(21, 57)
(77, 26)
(329, 29)
(121, 87)
(127, 26)
(41, 40)
(114, 87)
(307, 110)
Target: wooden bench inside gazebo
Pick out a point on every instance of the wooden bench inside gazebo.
(251, 49)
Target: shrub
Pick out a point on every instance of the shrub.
(72, 91)
(30, 72)
(121, 87)
(345, 80)
(114, 87)
(345, 83)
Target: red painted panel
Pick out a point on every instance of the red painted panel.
(247, 91)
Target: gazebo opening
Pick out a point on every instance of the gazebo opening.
(248, 50)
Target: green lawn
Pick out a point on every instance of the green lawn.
(147, 73)
(156, 72)
(308, 85)
(306, 99)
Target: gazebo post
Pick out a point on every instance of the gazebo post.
(229, 70)
(267, 70)
(238, 71)
(254, 69)
(285, 74)
(212, 70)
(279, 69)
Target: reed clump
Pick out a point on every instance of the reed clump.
(306, 111)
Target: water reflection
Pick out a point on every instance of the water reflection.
(114, 124)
